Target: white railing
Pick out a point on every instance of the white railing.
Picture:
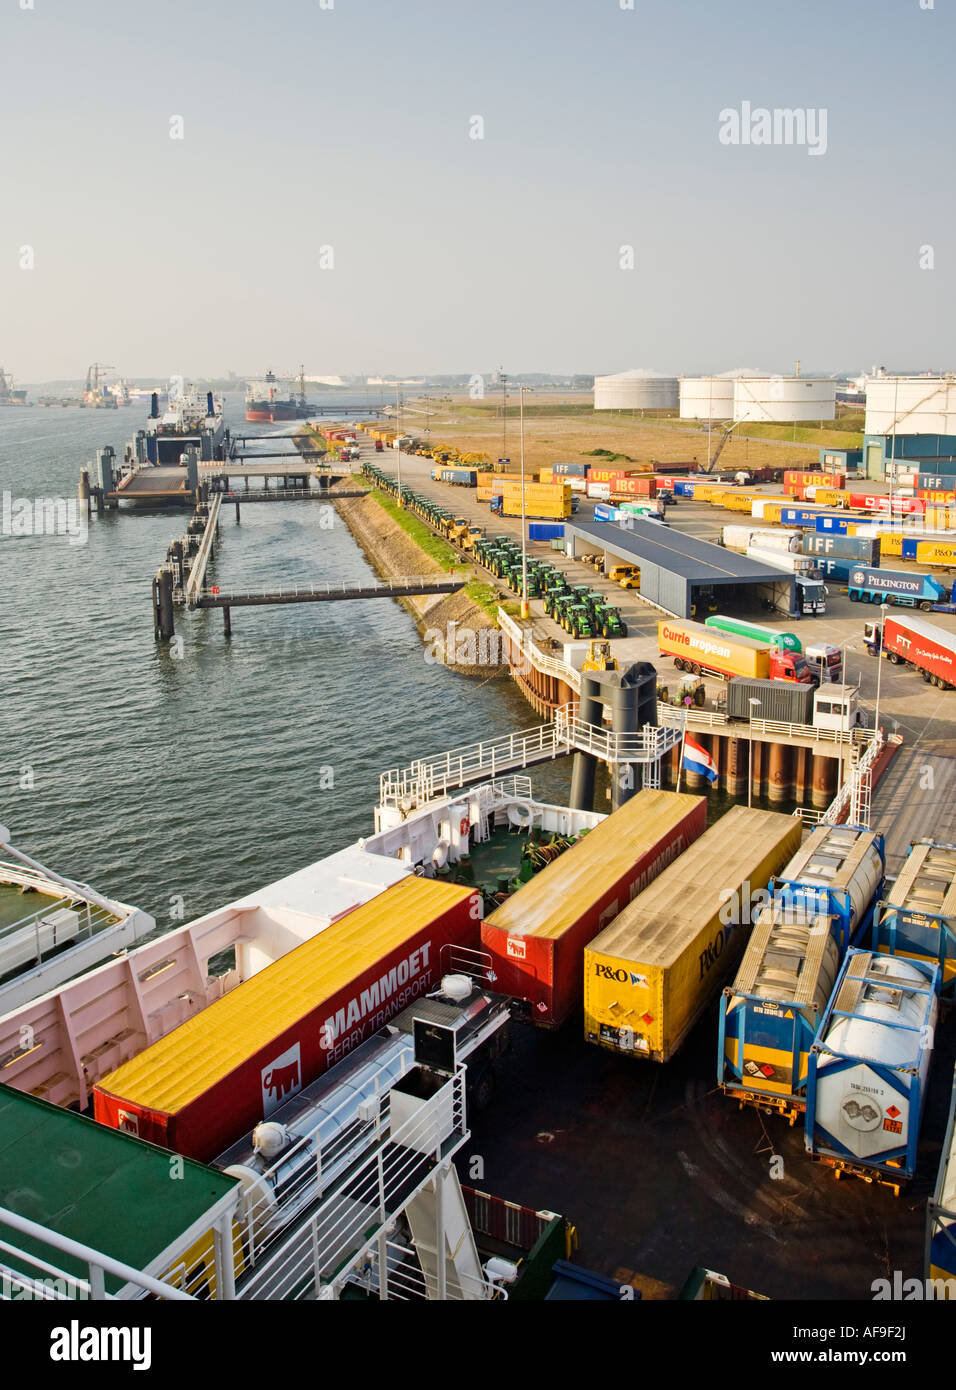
(428, 583)
(548, 665)
(326, 1249)
(51, 1282)
(647, 745)
(197, 569)
(405, 1281)
(853, 797)
(428, 778)
(671, 715)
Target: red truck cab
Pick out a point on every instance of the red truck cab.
(790, 666)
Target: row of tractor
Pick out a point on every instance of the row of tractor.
(581, 611)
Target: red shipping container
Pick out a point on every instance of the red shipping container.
(196, 1090)
(635, 487)
(537, 938)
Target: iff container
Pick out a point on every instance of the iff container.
(918, 917)
(869, 1065)
(536, 939)
(200, 1086)
(650, 975)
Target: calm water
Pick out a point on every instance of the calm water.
(202, 777)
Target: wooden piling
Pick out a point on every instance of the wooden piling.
(227, 622)
(164, 627)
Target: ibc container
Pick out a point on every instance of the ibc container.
(200, 1086)
(918, 917)
(536, 939)
(869, 1066)
(653, 971)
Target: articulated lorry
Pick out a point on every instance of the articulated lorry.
(708, 651)
(811, 591)
(866, 585)
(825, 662)
(915, 642)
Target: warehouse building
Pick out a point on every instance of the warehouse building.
(683, 575)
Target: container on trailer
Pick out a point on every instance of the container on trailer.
(798, 516)
(634, 487)
(917, 919)
(772, 511)
(536, 939)
(789, 702)
(683, 489)
(865, 550)
(578, 470)
(697, 648)
(776, 637)
(838, 871)
(916, 642)
(465, 477)
(929, 552)
(940, 1260)
(897, 585)
(835, 525)
(770, 1015)
(653, 971)
(869, 1066)
(195, 1090)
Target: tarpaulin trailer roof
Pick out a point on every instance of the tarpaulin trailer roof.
(674, 565)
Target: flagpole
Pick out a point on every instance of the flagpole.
(680, 761)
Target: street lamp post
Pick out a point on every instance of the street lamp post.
(879, 673)
(525, 607)
(754, 704)
(398, 408)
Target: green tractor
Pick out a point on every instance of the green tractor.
(609, 622)
(579, 620)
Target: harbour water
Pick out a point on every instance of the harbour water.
(178, 784)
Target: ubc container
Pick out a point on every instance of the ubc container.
(201, 1085)
(869, 1066)
(770, 1015)
(918, 917)
(941, 1209)
(838, 872)
(652, 972)
(536, 939)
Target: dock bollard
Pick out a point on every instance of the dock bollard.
(84, 491)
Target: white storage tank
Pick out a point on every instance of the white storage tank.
(911, 405)
(780, 399)
(706, 398)
(636, 390)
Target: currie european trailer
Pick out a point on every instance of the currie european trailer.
(708, 651)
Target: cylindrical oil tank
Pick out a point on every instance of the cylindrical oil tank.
(838, 871)
(911, 405)
(636, 390)
(706, 398)
(781, 398)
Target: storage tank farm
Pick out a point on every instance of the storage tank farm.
(918, 917)
(824, 899)
(636, 390)
(869, 1067)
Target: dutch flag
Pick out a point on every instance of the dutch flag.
(697, 759)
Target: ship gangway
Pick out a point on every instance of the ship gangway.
(427, 778)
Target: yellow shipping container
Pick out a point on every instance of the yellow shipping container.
(828, 496)
(650, 975)
(739, 501)
(772, 511)
(703, 492)
(936, 553)
(718, 498)
(540, 510)
(891, 543)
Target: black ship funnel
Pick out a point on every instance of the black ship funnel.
(209, 405)
(154, 406)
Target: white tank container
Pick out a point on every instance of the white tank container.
(779, 399)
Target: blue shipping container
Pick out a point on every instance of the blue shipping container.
(545, 530)
(838, 570)
(798, 516)
(683, 489)
(836, 525)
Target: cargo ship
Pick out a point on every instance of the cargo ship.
(273, 399)
(191, 420)
(9, 395)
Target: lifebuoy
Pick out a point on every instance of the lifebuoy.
(465, 826)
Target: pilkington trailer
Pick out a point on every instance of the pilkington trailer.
(869, 1066)
(536, 939)
(200, 1086)
(652, 972)
(822, 900)
(918, 917)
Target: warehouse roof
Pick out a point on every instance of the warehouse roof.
(699, 561)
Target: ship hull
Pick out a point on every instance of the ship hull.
(270, 411)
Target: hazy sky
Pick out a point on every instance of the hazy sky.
(349, 127)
